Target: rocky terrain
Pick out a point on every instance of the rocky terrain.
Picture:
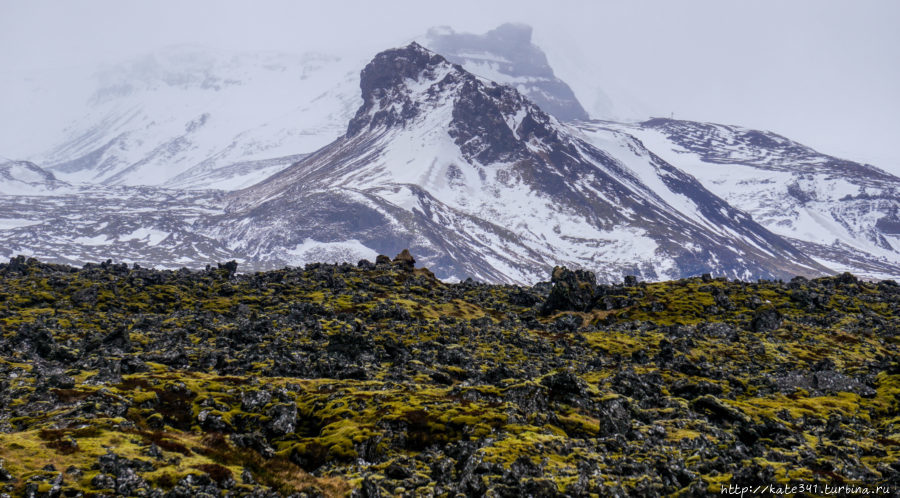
(376, 379)
(146, 225)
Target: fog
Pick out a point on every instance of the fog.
(824, 73)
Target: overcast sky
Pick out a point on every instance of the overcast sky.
(822, 72)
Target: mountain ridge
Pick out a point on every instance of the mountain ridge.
(175, 115)
(842, 212)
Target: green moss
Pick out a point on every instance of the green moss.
(446, 378)
(887, 399)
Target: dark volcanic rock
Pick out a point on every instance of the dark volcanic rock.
(405, 261)
(564, 385)
(824, 382)
(5, 476)
(572, 291)
(379, 79)
(691, 390)
(371, 380)
(716, 410)
(766, 318)
(282, 419)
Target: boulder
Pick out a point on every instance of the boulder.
(405, 261)
(766, 318)
(573, 290)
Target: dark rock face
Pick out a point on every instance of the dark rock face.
(121, 474)
(690, 390)
(282, 419)
(479, 126)
(573, 290)
(825, 382)
(716, 410)
(379, 81)
(480, 110)
(5, 476)
(564, 384)
(254, 441)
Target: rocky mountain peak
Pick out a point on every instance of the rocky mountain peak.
(494, 122)
(514, 34)
(390, 67)
(387, 96)
(490, 122)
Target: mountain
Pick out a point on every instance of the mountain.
(190, 117)
(507, 55)
(198, 118)
(477, 181)
(27, 178)
(843, 213)
(472, 176)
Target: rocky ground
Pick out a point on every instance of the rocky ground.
(376, 379)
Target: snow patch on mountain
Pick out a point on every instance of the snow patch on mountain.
(839, 209)
(313, 251)
(186, 112)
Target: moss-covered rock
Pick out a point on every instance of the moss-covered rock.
(378, 379)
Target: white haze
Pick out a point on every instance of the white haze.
(824, 73)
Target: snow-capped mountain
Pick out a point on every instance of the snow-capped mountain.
(189, 117)
(478, 181)
(27, 178)
(506, 55)
(842, 213)
(473, 176)
(196, 118)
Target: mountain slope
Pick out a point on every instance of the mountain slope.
(507, 55)
(843, 213)
(478, 181)
(193, 117)
(27, 178)
(79, 224)
(187, 116)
